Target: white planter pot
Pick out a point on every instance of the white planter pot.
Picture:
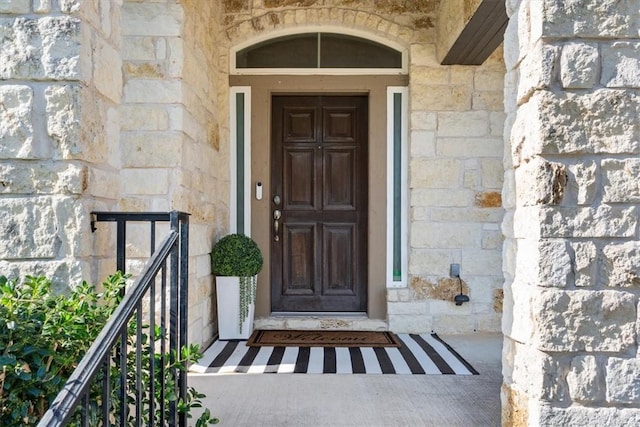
(228, 293)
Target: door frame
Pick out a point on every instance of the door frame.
(322, 298)
(261, 89)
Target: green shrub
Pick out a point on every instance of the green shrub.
(43, 336)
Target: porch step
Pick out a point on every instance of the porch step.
(357, 322)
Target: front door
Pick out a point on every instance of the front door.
(319, 200)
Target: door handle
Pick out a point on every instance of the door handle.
(276, 224)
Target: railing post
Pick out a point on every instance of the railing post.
(121, 248)
(173, 315)
(184, 305)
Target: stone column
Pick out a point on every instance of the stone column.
(59, 84)
(572, 250)
(174, 144)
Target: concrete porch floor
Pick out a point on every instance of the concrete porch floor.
(364, 400)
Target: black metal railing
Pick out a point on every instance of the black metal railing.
(128, 376)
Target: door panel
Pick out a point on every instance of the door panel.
(319, 171)
(340, 179)
(339, 124)
(300, 248)
(300, 125)
(339, 243)
(299, 178)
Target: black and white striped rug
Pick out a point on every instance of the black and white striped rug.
(419, 354)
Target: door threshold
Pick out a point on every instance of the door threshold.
(358, 321)
(350, 314)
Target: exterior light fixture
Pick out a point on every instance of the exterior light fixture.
(455, 272)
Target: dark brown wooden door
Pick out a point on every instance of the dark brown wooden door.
(319, 172)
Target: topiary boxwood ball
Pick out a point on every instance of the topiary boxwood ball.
(236, 255)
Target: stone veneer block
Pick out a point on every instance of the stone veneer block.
(104, 184)
(152, 19)
(153, 91)
(585, 379)
(537, 70)
(602, 221)
(576, 416)
(577, 124)
(470, 147)
(15, 6)
(16, 128)
(443, 235)
(152, 150)
(407, 308)
(584, 263)
(584, 320)
(579, 65)
(69, 6)
(467, 215)
(428, 262)
(60, 47)
(623, 381)
(620, 181)
(464, 123)
(621, 65)
(621, 266)
(43, 178)
(62, 111)
(72, 227)
(555, 267)
(138, 49)
(144, 117)
(441, 98)
(543, 182)
(106, 60)
(43, 48)
(583, 183)
(441, 197)
(28, 227)
(42, 6)
(424, 120)
(144, 181)
(478, 262)
(568, 123)
(434, 173)
(423, 144)
(602, 18)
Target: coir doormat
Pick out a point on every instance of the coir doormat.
(289, 338)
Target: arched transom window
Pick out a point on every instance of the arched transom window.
(318, 53)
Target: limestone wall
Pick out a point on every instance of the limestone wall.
(456, 148)
(205, 180)
(109, 106)
(455, 181)
(174, 111)
(571, 257)
(58, 105)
